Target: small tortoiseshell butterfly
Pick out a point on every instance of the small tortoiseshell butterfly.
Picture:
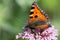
(37, 18)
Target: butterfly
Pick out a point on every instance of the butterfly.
(37, 18)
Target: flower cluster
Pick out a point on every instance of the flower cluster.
(48, 34)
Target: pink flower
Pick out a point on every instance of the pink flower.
(48, 34)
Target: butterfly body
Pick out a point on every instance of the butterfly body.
(37, 18)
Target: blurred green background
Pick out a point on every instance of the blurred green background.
(14, 15)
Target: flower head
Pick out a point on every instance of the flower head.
(48, 34)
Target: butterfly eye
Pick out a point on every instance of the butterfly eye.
(36, 16)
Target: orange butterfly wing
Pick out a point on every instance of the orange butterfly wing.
(36, 14)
